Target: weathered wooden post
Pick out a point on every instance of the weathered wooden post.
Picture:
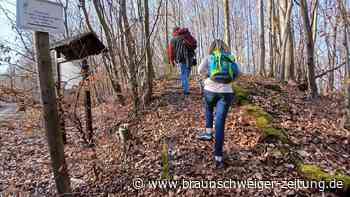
(48, 97)
(43, 17)
(87, 100)
(60, 108)
(60, 98)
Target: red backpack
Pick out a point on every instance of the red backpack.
(190, 41)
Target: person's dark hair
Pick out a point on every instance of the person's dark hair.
(175, 29)
(84, 61)
(218, 45)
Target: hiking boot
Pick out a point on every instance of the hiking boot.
(219, 164)
(205, 136)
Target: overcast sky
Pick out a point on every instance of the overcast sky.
(6, 33)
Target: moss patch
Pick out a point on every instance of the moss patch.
(241, 94)
(273, 133)
(314, 172)
(165, 162)
(258, 113)
(262, 122)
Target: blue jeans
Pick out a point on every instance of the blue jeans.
(222, 102)
(185, 75)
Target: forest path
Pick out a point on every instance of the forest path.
(177, 120)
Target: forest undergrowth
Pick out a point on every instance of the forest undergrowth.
(273, 132)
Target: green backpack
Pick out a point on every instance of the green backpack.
(222, 67)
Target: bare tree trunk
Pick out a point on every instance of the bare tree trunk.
(86, 15)
(12, 76)
(271, 39)
(332, 50)
(277, 38)
(347, 60)
(301, 68)
(217, 18)
(166, 24)
(227, 22)
(290, 69)
(199, 28)
(346, 23)
(65, 22)
(262, 39)
(329, 55)
(130, 42)
(251, 36)
(106, 29)
(310, 48)
(212, 13)
(149, 66)
(247, 39)
(314, 20)
(286, 33)
(60, 100)
(87, 105)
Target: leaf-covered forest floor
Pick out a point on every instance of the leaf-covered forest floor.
(313, 127)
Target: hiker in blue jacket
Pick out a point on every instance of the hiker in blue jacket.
(221, 69)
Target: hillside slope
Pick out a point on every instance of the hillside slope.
(311, 130)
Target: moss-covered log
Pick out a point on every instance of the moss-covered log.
(259, 114)
(241, 94)
(270, 134)
(263, 121)
(313, 172)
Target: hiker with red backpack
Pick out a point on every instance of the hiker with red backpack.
(220, 69)
(181, 52)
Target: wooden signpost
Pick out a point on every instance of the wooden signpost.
(52, 126)
(45, 16)
(80, 47)
(87, 101)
